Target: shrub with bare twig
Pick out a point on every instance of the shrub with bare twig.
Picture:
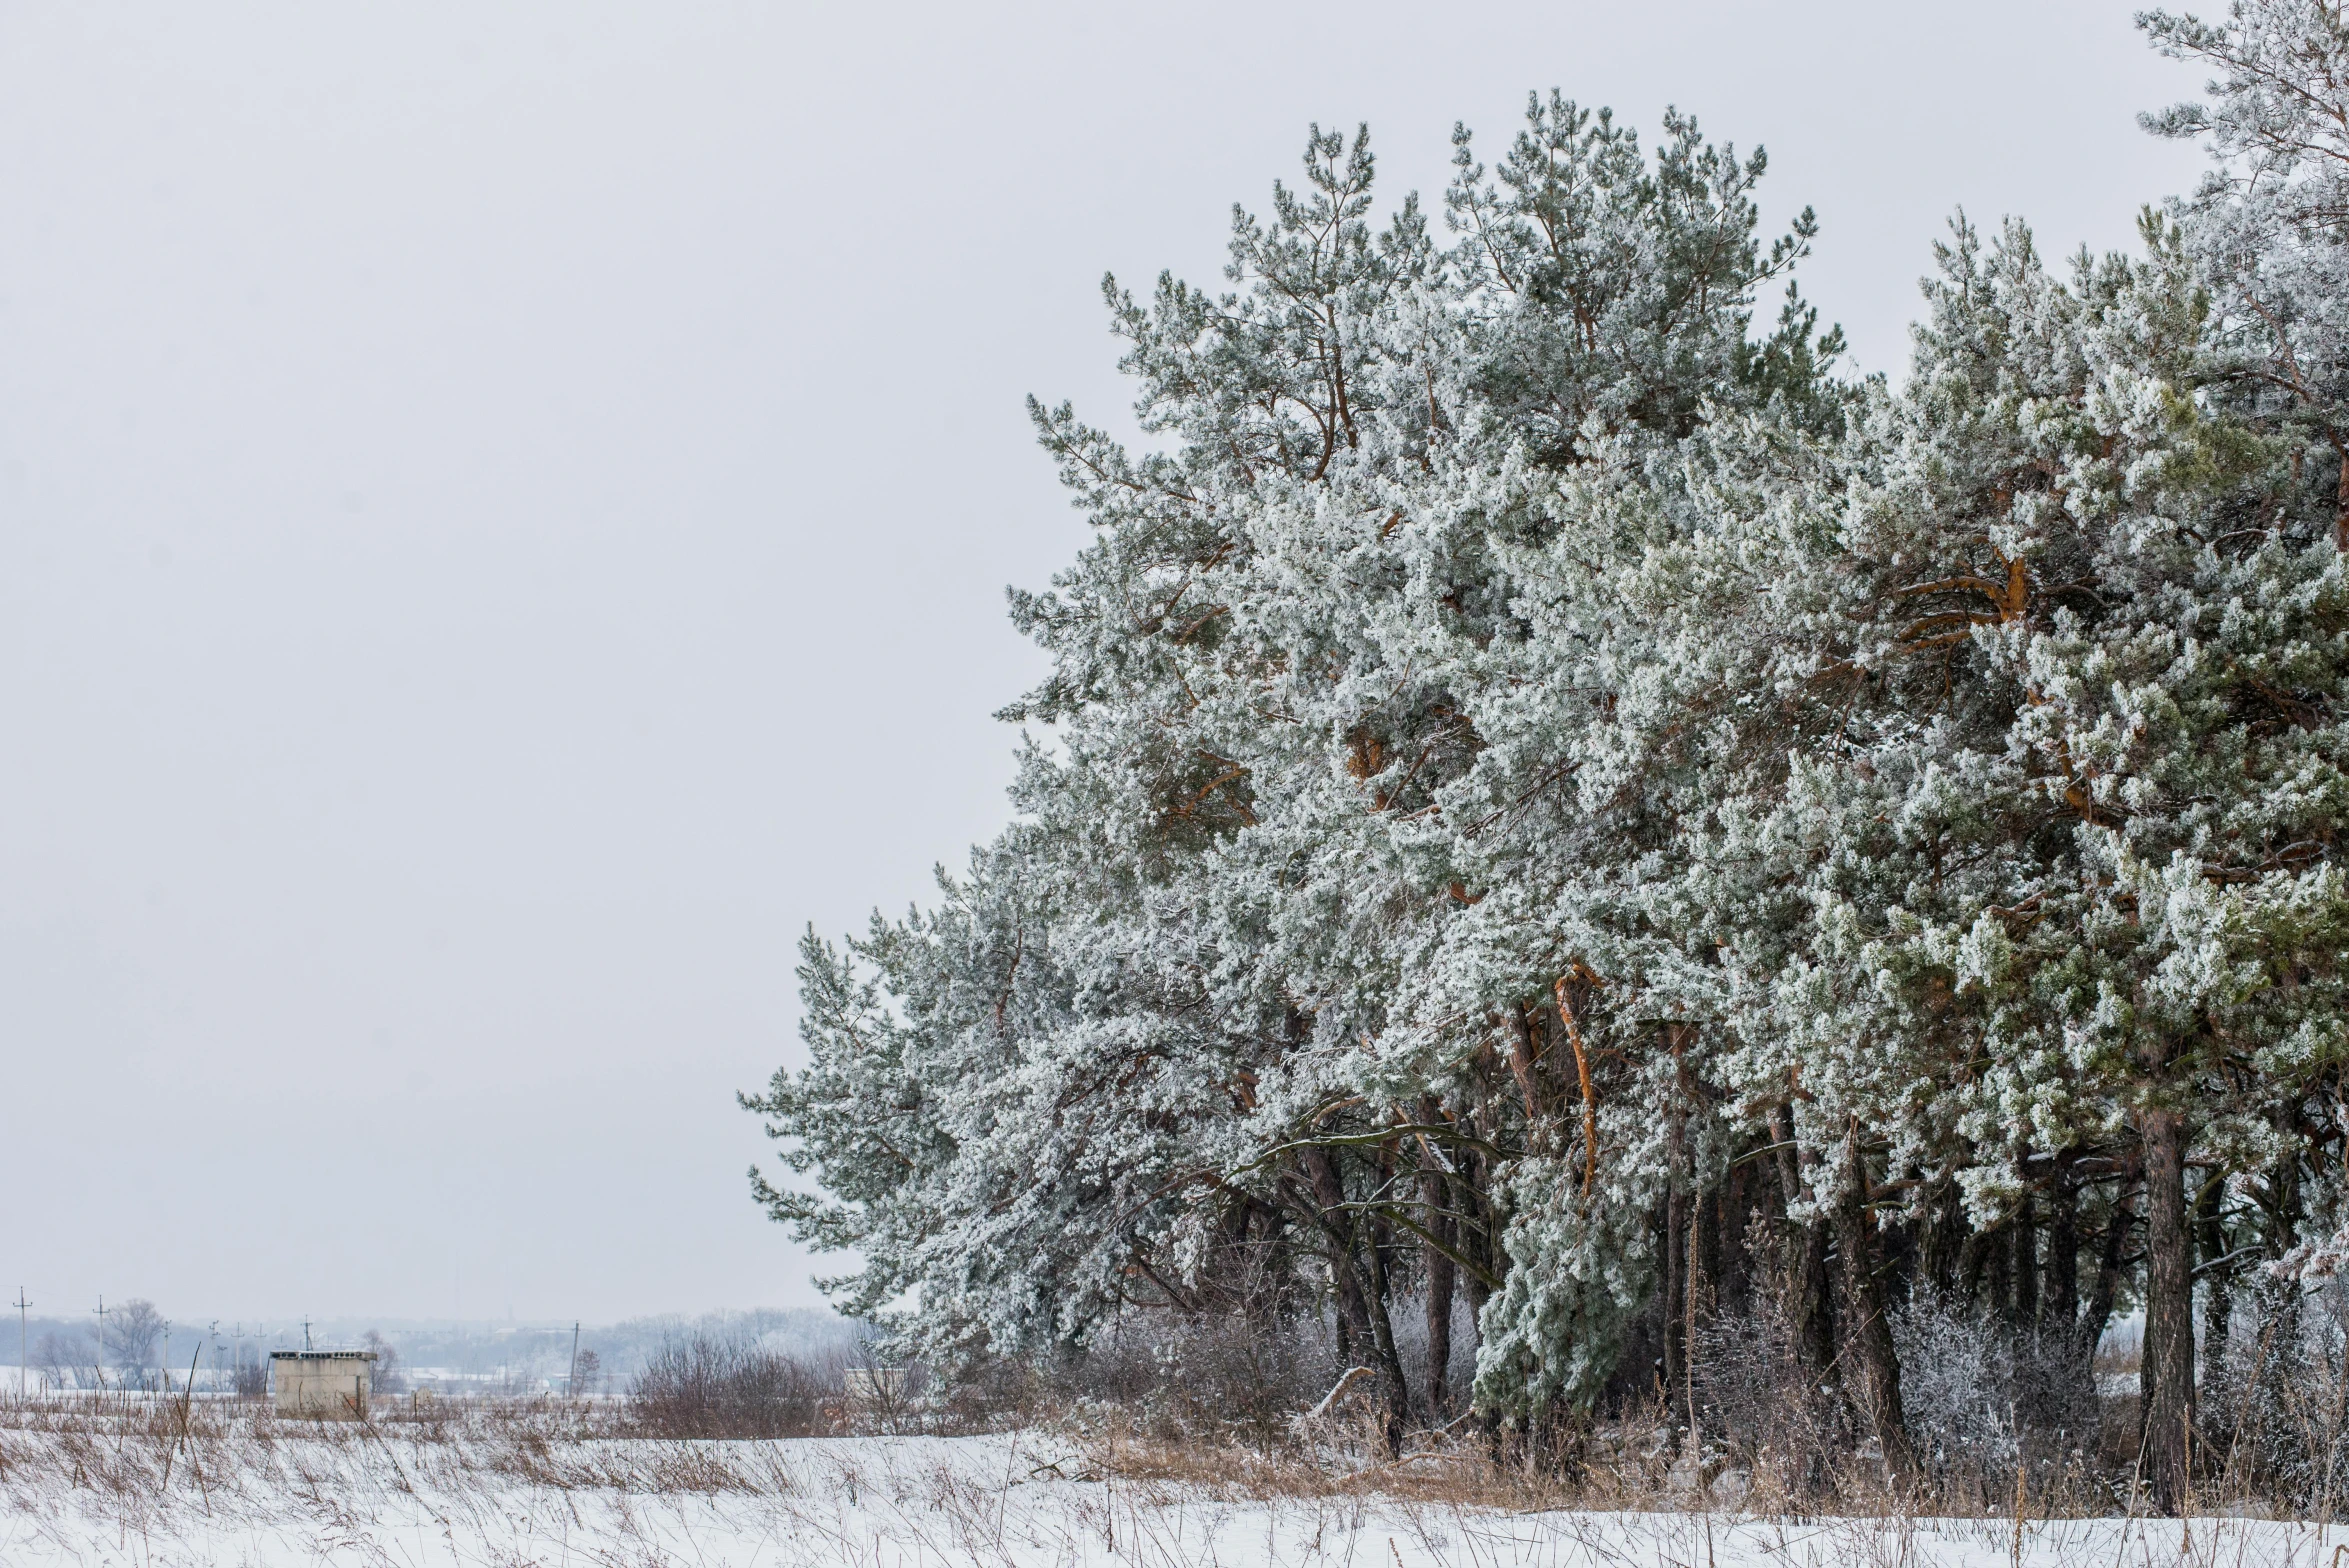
(704, 1386)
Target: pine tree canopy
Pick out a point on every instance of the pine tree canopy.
(1542, 765)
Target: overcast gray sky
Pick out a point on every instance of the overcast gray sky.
(504, 512)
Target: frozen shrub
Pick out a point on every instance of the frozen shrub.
(1786, 1428)
(707, 1387)
(1957, 1386)
(1226, 1374)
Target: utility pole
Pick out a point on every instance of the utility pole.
(167, 1358)
(305, 1331)
(24, 1364)
(100, 1369)
(571, 1383)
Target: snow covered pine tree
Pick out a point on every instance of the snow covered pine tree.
(1559, 795)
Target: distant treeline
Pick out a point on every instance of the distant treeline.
(65, 1349)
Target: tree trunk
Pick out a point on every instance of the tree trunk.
(1972, 1260)
(2107, 1289)
(1806, 1254)
(1382, 1332)
(2218, 1300)
(1717, 1246)
(2026, 1261)
(1440, 1276)
(1676, 1227)
(1998, 1280)
(1693, 1303)
(1675, 1295)
(1522, 1064)
(1362, 1312)
(1434, 1194)
(1329, 1193)
(1942, 1237)
(1867, 1334)
(2168, 1369)
(2060, 1304)
(1474, 1229)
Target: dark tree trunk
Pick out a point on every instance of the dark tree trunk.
(1867, 1333)
(1434, 1195)
(1474, 1228)
(2060, 1304)
(1742, 1206)
(2098, 1313)
(1523, 1064)
(1362, 1310)
(1382, 1333)
(1382, 1228)
(1691, 1225)
(2278, 1304)
(2218, 1300)
(1329, 1193)
(1692, 1305)
(2026, 1261)
(1675, 1294)
(1676, 1230)
(1997, 1254)
(1941, 1240)
(1806, 1254)
(1717, 1255)
(1440, 1278)
(1248, 1235)
(2168, 1368)
(1972, 1264)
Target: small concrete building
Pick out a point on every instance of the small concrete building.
(329, 1385)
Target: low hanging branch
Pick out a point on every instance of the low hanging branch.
(1400, 1216)
(1442, 1131)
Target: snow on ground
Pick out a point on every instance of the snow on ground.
(930, 1503)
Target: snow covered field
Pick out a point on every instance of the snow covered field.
(388, 1501)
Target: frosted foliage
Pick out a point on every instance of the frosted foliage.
(1531, 745)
